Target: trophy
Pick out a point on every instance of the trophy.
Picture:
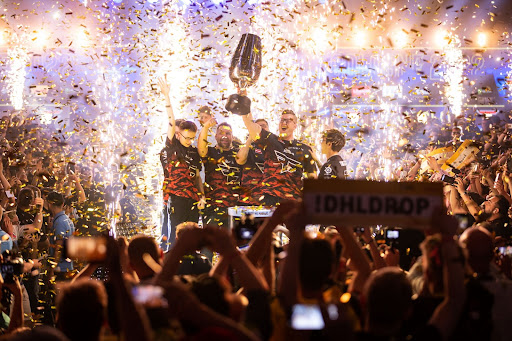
(244, 71)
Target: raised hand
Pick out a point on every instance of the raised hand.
(164, 86)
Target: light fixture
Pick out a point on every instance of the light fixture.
(481, 39)
(399, 39)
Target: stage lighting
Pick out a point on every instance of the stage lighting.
(82, 39)
(41, 38)
(360, 38)
(56, 15)
(442, 38)
(481, 39)
(400, 39)
(216, 2)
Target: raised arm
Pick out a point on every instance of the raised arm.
(358, 259)
(243, 152)
(164, 89)
(202, 142)
(254, 128)
(472, 206)
(447, 314)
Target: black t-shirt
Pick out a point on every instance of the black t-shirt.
(183, 165)
(334, 168)
(252, 176)
(222, 177)
(285, 164)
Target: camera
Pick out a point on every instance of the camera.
(11, 266)
(448, 179)
(246, 228)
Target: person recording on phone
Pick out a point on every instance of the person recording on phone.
(492, 213)
(63, 228)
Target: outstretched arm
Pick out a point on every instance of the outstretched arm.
(254, 128)
(202, 142)
(164, 89)
(243, 152)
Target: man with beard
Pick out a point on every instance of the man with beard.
(287, 160)
(251, 157)
(222, 173)
(491, 214)
(335, 168)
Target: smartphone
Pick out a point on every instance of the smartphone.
(505, 250)
(9, 194)
(392, 234)
(246, 233)
(448, 179)
(90, 249)
(307, 317)
(151, 295)
(509, 126)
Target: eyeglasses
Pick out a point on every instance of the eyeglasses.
(187, 138)
(287, 120)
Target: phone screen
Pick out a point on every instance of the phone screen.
(392, 234)
(307, 317)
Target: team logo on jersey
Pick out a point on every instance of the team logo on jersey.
(193, 170)
(288, 164)
(261, 166)
(328, 170)
(232, 174)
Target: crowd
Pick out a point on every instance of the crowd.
(451, 281)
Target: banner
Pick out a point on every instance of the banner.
(364, 203)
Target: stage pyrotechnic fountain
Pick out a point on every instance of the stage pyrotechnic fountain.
(453, 75)
(16, 72)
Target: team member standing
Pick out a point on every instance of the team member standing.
(222, 173)
(335, 168)
(182, 184)
(287, 160)
(251, 157)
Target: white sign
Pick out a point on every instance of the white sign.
(404, 204)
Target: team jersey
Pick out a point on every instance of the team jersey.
(222, 177)
(252, 176)
(285, 164)
(334, 168)
(181, 166)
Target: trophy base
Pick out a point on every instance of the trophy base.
(239, 105)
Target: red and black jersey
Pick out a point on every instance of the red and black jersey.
(285, 164)
(252, 176)
(334, 168)
(222, 177)
(181, 166)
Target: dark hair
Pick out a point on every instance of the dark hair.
(81, 309)
(503, 205)
(55, 199)
(178, 122)
(140, 245)
(206, 109)
(211, 293)
(188, 125)
(25, 197)
(335, 137)
(225, 124)
(315, 263)
(261, 120)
